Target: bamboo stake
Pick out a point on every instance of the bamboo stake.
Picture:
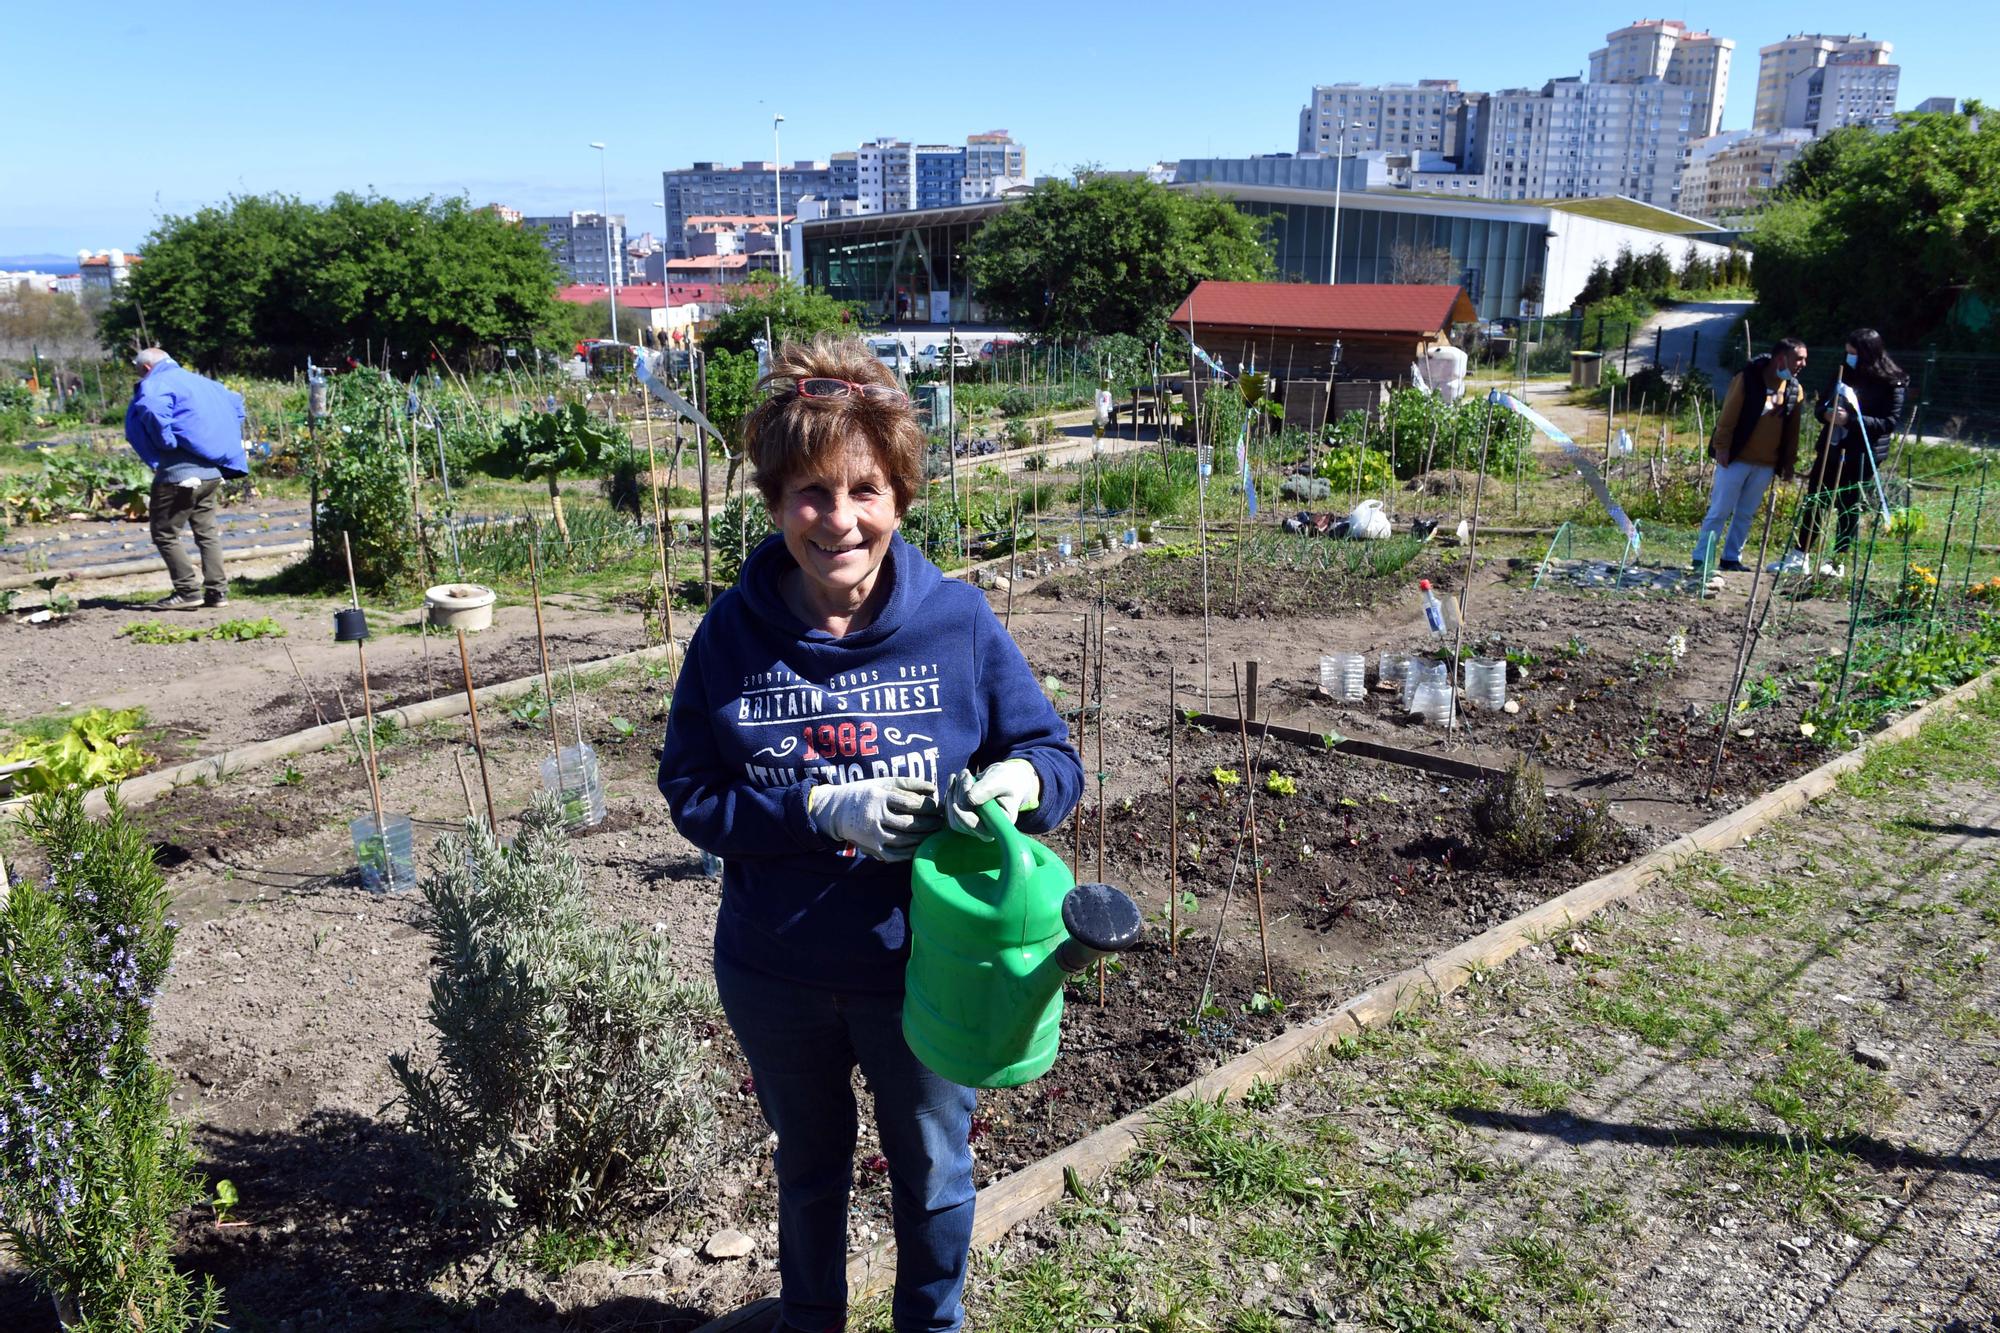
(1173, 819)
(1465, 588)
(1250, 818)
(542, 641)
(465, 786)
(367, 705)
(318, 712)
(1742, 644)
(1100, 764)
(353, 733)
(575, 708)
(660, 522)
(478, 741)
(1082, 740)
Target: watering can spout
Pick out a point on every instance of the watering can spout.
(1099, 920)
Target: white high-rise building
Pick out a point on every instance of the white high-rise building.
(1667, 50)
(1856, 85)
(1346, 118)
(1575, 140)
(1782, 62)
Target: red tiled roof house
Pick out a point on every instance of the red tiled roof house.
(1289, 329)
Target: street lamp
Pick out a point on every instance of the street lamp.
(610, 259)
(778, 190)
(1333, 254)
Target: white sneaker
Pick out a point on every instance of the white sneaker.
(1795, 562)
(1829, 570)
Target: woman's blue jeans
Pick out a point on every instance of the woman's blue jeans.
(803, 1044)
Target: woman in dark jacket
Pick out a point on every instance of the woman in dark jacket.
(1853, 446)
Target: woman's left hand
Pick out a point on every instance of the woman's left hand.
(1012, 782)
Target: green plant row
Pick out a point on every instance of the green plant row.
(234, 631)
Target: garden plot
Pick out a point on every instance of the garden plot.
(293, 986)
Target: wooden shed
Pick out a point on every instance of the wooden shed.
(1289, 329)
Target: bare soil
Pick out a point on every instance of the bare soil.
(292, 985)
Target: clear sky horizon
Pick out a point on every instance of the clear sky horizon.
(140, 113)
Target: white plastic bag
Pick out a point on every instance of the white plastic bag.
(1368, 523)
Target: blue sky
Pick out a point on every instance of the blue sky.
(144, 111)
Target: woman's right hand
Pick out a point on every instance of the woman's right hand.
(886, 818)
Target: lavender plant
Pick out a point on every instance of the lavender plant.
(567, 1076)
(93, 1167)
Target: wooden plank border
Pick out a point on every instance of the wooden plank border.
(1008, 1202)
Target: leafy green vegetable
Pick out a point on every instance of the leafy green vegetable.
(94, 749)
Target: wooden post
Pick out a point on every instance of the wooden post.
(1250, 819)
(478, 742)
(1250, 681)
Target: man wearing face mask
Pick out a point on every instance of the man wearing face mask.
(1756, 438)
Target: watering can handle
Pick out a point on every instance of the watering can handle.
(1017, 863)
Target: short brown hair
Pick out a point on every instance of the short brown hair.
(789, 434)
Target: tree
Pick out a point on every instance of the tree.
(1883, 230)
(594, 321)
(1420, 264)
(793, 313)
(1108, 254)
(53, 323)
(265, 281)
(1596, 287)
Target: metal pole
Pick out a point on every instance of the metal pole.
(610, 261)
(778, 190)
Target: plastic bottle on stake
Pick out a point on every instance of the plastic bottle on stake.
(1433, 610)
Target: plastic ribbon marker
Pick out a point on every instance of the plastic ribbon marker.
(1591, 476)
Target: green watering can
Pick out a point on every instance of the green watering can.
(995, 929)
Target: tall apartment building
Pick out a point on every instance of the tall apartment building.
(709, 188)
(1856, 86)
(1576, 140)
(1728, 174)
(1667, 50)
(1781, 63)
(994, 155)
(1423, 117)
(578, 242)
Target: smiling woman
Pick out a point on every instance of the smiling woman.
(838, 456)
(824, 702)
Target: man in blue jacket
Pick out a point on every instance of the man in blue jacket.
(189, 430)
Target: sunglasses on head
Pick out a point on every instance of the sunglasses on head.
(821, 387)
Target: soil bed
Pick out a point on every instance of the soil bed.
(292, 986)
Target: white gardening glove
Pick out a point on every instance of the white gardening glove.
(886, 818)
(1012, 782)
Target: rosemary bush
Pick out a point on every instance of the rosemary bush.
(567, 1076)
(1531, 828)
(93, 1166)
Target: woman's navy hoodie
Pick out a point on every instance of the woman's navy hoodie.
(765, 707)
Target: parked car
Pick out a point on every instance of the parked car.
(949, 352)
(893, 353)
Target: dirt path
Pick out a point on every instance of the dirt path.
(1761, 1095)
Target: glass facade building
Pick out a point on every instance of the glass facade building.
(910, 266)
(1492, 258)
(907, 267)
